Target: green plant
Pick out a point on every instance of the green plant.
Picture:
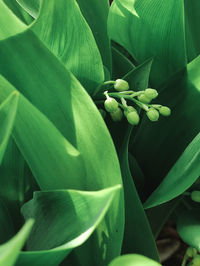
(91, 186)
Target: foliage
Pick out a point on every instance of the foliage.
(99, 139)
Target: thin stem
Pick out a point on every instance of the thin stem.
(185, 258)
(102, 84)
(128, 97)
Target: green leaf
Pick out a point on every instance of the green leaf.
(151, 29)
(188, 226)
(163, 146)
(133, 259)
(96, 14)
(98, 9)
(192, 36)
(61, 26)
(6, 224)
(181, 176)
(138, 237)
(57, 94)
(121, 64)
(7, 117)
(64, 219)
(11, 26)
(159, 215)
(31, 6)
(40, 141)
(11, 249)
(19, 11)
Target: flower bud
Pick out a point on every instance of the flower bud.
(116, 115)
(110, 104)
(196, 260)
(191, 252)
(133, 118)
(151, 93)
(121, 85)
(165, 111)
(153, 114)
(195, 196)
(129, 109)
(143, 98)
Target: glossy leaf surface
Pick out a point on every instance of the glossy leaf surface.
(72, 116)
(151, 29)
(10, 250)
(181, 176)
(181, 94)
(188, 226)
(61, 26)
(7, 117)
(64, 219)
(133, 260)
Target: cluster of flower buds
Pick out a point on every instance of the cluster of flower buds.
(153, 111)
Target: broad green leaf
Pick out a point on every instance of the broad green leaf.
(98, 9)
(19, 11)
(10, 24)
(151, 28)
(137, 174)
(96, 14)
(44, 146)
(6, 224)
(158, 216)
(165, 140)
(188, 226)
(64, 219)
(181, 176)
(11, 249)
(133, 260)
(61, 26)
(192, 36)
(31, 6)
(58, 95)
(121, 64)
(7, 117)
(138, 237)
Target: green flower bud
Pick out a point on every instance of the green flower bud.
(121, 85)
(116, 115)
(143, 98)
(195, 196)
(165, 111)
(196, 260)
(129, 109)
(153, 114)
(191, 252)
(110, 104)
(151, 93)
(133, 118)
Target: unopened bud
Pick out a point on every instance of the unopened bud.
(129, 109)
(151, 93)
(165, 111)
(110, 104)
(195, 196)
(191, 252)
(133, 118)
(121, 85)
(196, 261)
(143, 98)
(153, 114)
(116, 115)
